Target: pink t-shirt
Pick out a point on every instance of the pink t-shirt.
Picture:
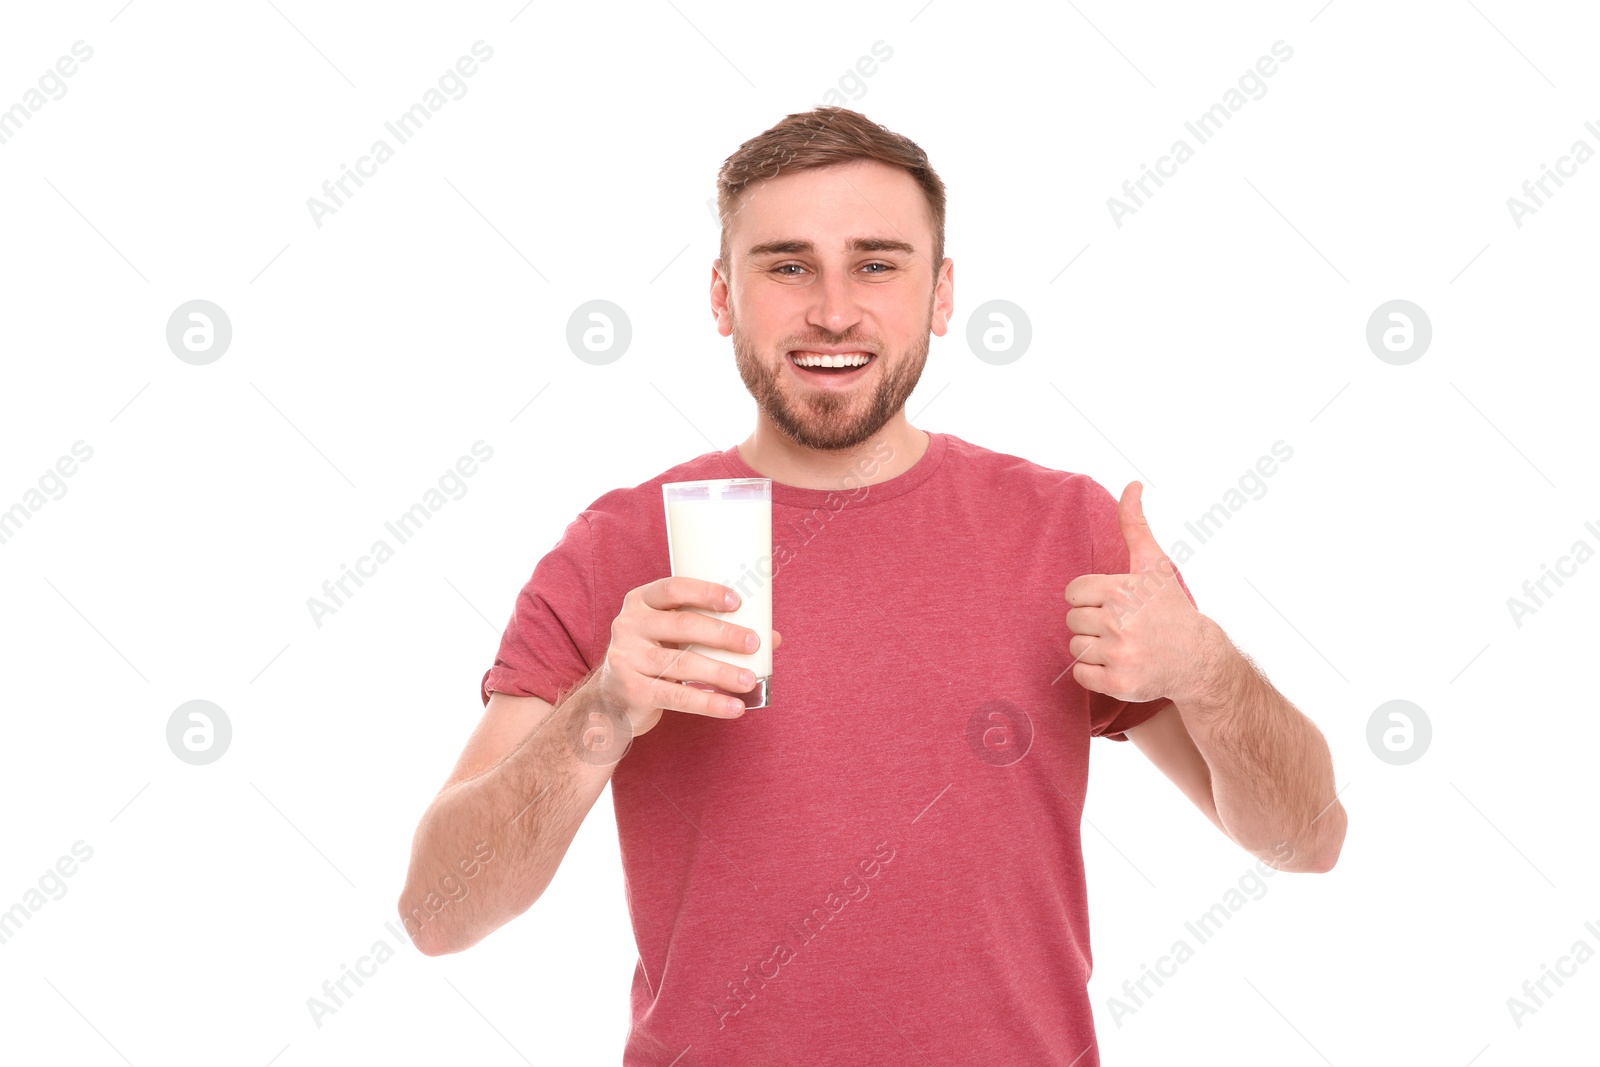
(884, 865)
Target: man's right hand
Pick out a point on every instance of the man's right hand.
(646, 660)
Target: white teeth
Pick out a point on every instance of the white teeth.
(813, 359)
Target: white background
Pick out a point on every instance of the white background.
(368, 354)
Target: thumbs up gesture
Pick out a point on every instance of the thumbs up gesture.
(1137, 636)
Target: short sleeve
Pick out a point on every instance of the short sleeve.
(542, 652)
(1109, 555)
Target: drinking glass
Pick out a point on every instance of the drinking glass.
(720, 530)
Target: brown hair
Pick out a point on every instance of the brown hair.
(822, 137)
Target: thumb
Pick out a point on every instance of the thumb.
(1143, 552)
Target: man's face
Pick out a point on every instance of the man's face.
(832, 261)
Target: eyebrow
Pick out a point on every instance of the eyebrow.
(856, 244)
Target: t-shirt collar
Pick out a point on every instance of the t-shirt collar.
(797, 496)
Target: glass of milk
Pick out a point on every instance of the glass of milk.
(720, 530)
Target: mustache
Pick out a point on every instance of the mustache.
(814, 343)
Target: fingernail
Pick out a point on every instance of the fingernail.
(731, 600)
(747, 679)
(751, 641)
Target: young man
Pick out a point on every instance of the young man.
(884, 865)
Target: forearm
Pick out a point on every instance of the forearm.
(1271, 771)
(524, 812)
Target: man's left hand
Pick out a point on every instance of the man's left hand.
(1137, 636)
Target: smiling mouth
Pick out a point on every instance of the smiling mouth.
(840, 365)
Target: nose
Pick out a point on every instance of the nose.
(834, 309)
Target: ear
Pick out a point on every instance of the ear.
(720, 296)
(944, 298)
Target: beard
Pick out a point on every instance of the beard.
(824, 419)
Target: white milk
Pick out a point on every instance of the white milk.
(730, 542)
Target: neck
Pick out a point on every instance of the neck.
(887, 454)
